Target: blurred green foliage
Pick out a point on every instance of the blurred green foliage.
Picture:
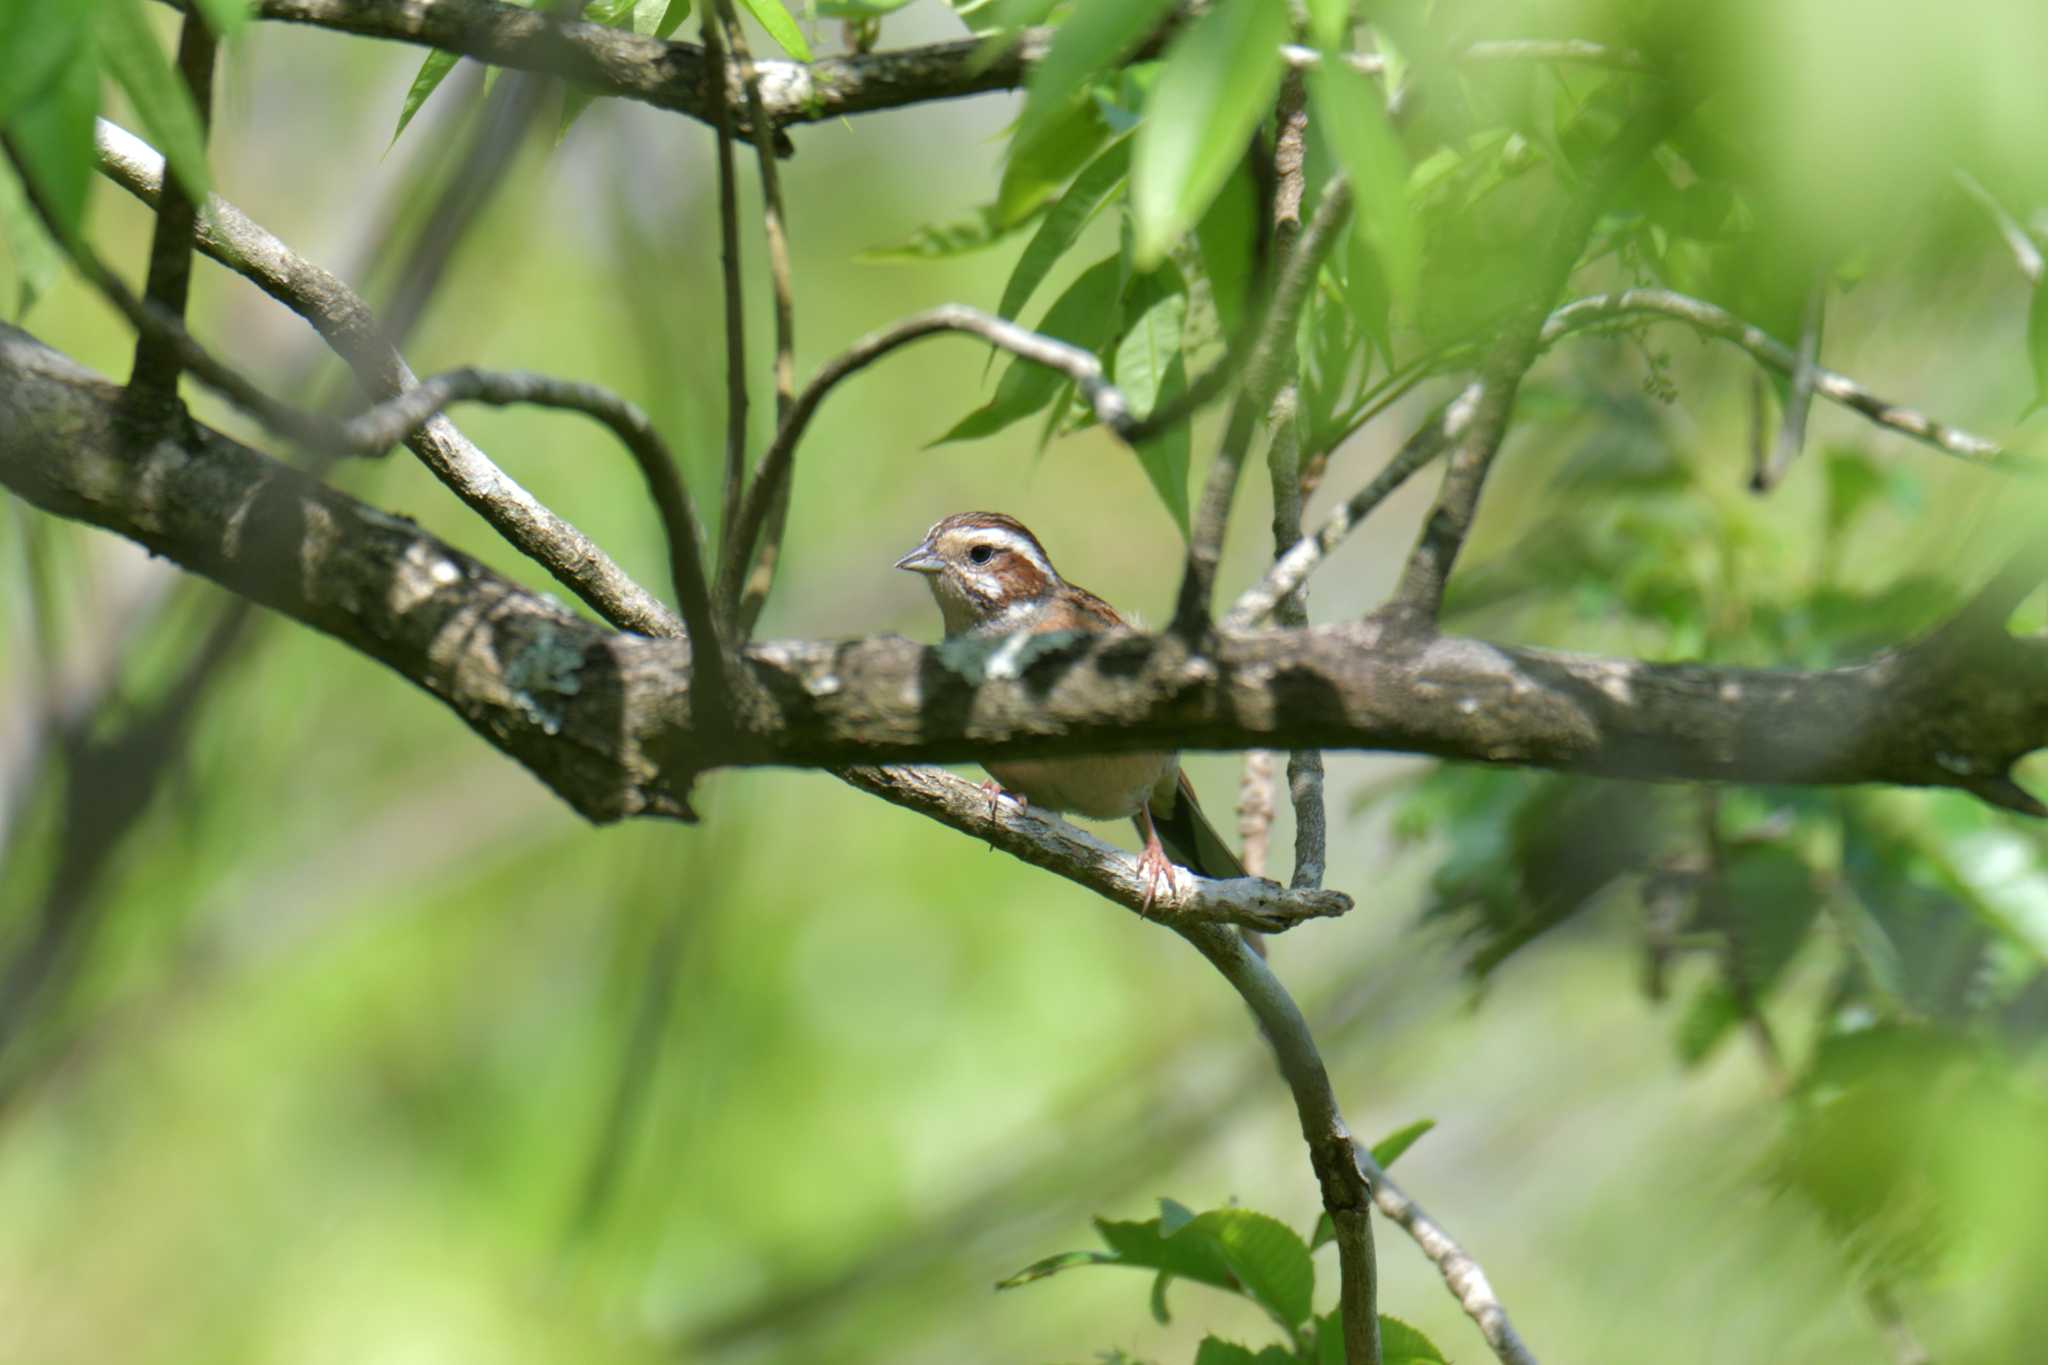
(347, 1044)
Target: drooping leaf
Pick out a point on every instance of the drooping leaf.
(1389, 1148)
(1063, 224)
(36, 259)
(780, 26)
(2037, 345)
(425, 81)
(1083, 316)
(1155, 309)
(1090, 43)
(1035, 172)
(1354, 117)
(1268, 1258)
(135, 59)
(1217, 84)
(53, 134)
(1226, 233)
(1053, 1265)
(976, 231)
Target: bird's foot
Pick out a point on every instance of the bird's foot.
(993, 790)
(1158, 873)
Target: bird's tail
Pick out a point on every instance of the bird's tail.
(1190, 840)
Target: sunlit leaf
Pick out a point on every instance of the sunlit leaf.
(1389, 1148)
(1063, 224)
(138, 63)
(1401, 1344)
(1155, 309)
(425, 81)
(1091, 42)
(1083, 316)
(1218, 82)
(1268, 1258)
(1354, 117)
(648, 18)
(1035, 172)
(1329, 22)
(780, 26)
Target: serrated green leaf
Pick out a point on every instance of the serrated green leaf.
(976, 231)
(1194, 1258)
(53, 134)
(1402, 1344)
(2037, 345)
(1354, 117)
(1389, 1148)
(1091, 43)
(1053, 1265)
(1217, 84)
(1269, 1259)
(129, 47)
(35, 257)
(425, 81)
(1083, 316)
(40, 41)
(780, 26)
(1063, 225)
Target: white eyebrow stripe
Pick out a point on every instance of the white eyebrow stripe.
(1013, 540)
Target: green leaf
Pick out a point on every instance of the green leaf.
(36, 259)
(1401, 1344)
(672, 18)
(1217, 84)
(998, 17)
(1173, 1216)
(1082, 315)
(41, 41)
(1227, 233)
(1090, 190)
(1159, 1284)
(1329, 23)
(224, 17)
(976, 231)
(1389, 1148)
(1155, 307)
(134, 58)
(1034, 173)
(2037, 346)
(858, 9)
(1089, 44)
(1166, 457)
(53, 134)
(425, 81)
(1053, 1265)
(780, 26)
(1216, 1351)
(1349, 107)
(1270, 1261)
(648, 18)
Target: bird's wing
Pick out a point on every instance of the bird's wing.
(1186, 833)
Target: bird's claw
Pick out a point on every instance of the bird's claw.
(1155, 869)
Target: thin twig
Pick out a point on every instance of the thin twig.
(1082, 367)
(775, 232)
(2026, 253)
(1462, 1275)
(153, 381)
(1718, 322)
(228, 236)
(1264, 371)
(735, 300)
(1293, 568)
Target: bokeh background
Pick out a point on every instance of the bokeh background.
(362, 1047)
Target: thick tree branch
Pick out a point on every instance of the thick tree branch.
(153, 382)
(600, 717)
(346, 323)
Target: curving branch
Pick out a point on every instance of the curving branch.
(345, 322)
(609, 722)
(1462, 1275)
(1713, 321)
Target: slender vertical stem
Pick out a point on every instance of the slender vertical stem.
(153, 381)
(735, 299)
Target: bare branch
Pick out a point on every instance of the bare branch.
(1257, 602)
(1264, 371)
(153, 381)
(1718, 322)
(1044, 840)
(1082, 367)
(1462, 1275)
(345, 321)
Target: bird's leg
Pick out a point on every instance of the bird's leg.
(993, 790)
(1153, 864)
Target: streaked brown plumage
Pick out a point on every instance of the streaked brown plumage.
(991, 577)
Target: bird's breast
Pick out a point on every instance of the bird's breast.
(1101, 788)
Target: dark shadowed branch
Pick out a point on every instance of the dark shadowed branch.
(153, 382)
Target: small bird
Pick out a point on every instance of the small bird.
(992, 578)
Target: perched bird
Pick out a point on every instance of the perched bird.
(992, 578)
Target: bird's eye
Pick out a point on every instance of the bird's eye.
(982, 554)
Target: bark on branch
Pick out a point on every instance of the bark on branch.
(605, 720)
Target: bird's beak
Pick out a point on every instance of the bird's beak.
(921, 560)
